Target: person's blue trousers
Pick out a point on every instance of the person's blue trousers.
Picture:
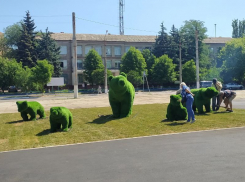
(190, 111)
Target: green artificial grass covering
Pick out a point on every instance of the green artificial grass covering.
(32, 108)
(175, 110)
(60, 116)
(203, 98)
(121, 96)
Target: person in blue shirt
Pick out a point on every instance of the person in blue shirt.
(188, 97)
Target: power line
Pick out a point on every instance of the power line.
(113, 25)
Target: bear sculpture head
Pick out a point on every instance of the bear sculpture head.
(175, 100)
(118, 83)
(22, 105)
(211, 92)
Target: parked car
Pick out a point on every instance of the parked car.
(12, 89)
(232, 86)
(205, 84)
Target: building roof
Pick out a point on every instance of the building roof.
(101, 37)
(217, 40)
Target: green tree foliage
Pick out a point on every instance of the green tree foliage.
(174, 44)
(8, 70)
(150, 60)
(235, 28)
(12, 34)
(93, 61)
(133, 60)
(23, 79)
(26, 52)
(189, 72)
(238, 28)
(98, 76)
(41, 74)
(3, 46)
(162, 44)
(233, 56)
(163, 70)
(48, 49)
(134, 78)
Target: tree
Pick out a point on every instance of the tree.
(163, 70)
(93, 61)
(42, 74)
(48, 49)
(233, 56)
(235, 29)
(162, 43)
(134, 78)
(3, 46)
(174, 45)
(23, 79)
(98, 76)
(189, 72)
(12, 34)
(8, 70)
(133, 60)
(26, 52)
(150, 60)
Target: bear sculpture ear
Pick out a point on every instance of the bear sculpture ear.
(110, 77)
(123, 74)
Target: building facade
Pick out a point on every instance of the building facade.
(110, 47)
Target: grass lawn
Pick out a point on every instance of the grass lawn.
(88, 126)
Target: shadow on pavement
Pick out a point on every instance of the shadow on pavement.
(103, 119)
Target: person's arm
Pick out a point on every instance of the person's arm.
(189, 92)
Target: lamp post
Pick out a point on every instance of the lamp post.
(105, 73)
(180, 61)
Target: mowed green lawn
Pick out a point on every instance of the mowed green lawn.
(89, 126)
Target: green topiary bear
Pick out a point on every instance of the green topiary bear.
(60, 116)
(121, 96)
(32, 108)
(202, 98)
(175, 110)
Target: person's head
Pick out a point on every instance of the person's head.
(182, 84)
(214, 81)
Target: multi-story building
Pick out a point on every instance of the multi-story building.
(110, 47)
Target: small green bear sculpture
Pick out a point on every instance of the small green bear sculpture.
(32, 108)
(175, 110)
(60, 116)
(121, 95)
(202, 98)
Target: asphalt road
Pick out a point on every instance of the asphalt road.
(209, 156)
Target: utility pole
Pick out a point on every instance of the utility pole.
(215, 29)
(180, 61)
(197, 60)
(74, 56)
(121, 22)
(105, 73)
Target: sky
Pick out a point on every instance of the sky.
(141, 17)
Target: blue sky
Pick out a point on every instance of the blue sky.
(139, 14)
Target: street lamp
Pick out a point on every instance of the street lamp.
(105, 73)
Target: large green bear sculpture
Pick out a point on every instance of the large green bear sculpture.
(202, 98)
(60, 116)
(32, 108)
(175, 110)
(121, 96)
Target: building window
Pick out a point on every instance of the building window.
(65, 78)
(79, 64)
(63, 64)
(117, 64)
(127, 48)
(117, 50)
(98, 49)
(63, 50)
(108, 50)
(79, 50)
(87, 49)
(139, 48)
(80, 78)
(108, 64)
